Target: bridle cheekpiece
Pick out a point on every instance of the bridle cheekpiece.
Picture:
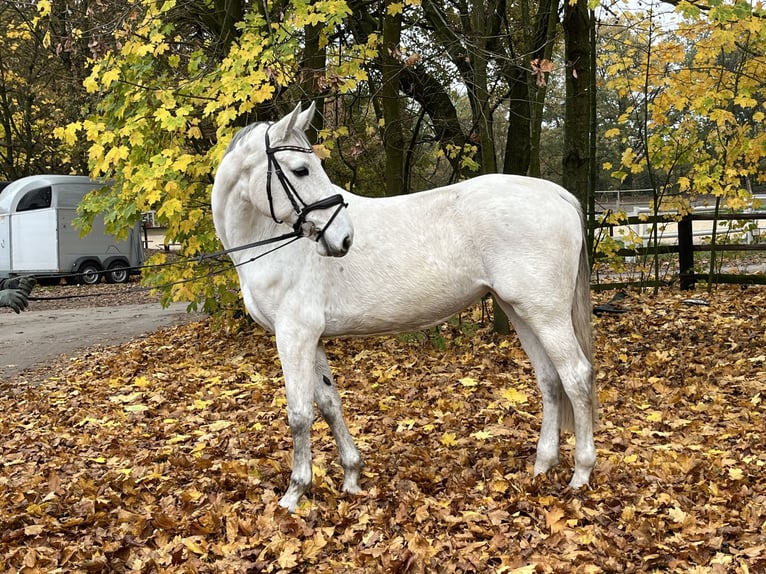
(301, 208)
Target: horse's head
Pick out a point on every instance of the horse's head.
(286, 182)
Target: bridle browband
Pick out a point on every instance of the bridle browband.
(301, 208)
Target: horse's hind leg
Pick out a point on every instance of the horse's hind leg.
(328, 401)
(564, 376)
(551, 390)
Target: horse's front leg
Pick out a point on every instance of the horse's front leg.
(328, 401)
(296, 345)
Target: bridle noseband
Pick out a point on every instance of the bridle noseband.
(301, 208)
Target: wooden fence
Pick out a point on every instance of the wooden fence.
(686, 247)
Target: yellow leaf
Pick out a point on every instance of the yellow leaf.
(736, 473)
(514, 397)
(141, 382)
(194, 546)
(110, 76)
(394, 8)
(449, 439)
(44, 8)
(481, 435)
(321, 151)
(170, 207)
(654, 417)
(136, 408)
(179, 438)
(183, 162)
(468, 382)
(220, 425)
(288, 558)
(136, 138)
(554, 520)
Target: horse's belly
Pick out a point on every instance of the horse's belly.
(387, 310)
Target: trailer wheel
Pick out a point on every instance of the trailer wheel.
(89, 273)
(117, 273)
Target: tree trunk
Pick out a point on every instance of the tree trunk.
(577, 24)
(393, 138)
(435, 100)
(313, 66)
(479, 91)
(518, 141)
(542, 49)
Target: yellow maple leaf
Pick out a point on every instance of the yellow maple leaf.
(449, 439)
(554, 519)
(288, 558)
(654, 417)
(395, 8)
(514, 397)
(736, 473)
(321, 151)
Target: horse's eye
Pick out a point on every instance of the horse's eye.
(301, 171)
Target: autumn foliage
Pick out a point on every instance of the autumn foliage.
(169, 454)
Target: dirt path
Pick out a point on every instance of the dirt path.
(36, 338)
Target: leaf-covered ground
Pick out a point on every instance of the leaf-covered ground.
(169, 454)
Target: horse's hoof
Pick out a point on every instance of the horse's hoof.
(351, 488)
(578, 482)
(543, 465)
(288, 503)
(291, 498)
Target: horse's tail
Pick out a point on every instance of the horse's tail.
(581, 320)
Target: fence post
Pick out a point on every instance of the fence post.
(686, 253)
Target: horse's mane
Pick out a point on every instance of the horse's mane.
(242, 135)
(245, 132)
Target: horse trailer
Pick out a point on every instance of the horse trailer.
(37, 235)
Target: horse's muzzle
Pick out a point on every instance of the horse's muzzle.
(335, 249)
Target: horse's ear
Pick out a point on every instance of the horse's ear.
(295, 120)
(283, 127)
(304, 118)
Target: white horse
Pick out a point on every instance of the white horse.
(416, 260)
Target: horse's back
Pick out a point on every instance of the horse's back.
(417, 259)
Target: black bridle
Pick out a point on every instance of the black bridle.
(301, 208)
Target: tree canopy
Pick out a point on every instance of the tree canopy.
(414, 94)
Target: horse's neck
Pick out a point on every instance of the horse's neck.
(248, 225)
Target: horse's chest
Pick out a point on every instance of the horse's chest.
(260, 304)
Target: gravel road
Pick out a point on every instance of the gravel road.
(52, 328)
